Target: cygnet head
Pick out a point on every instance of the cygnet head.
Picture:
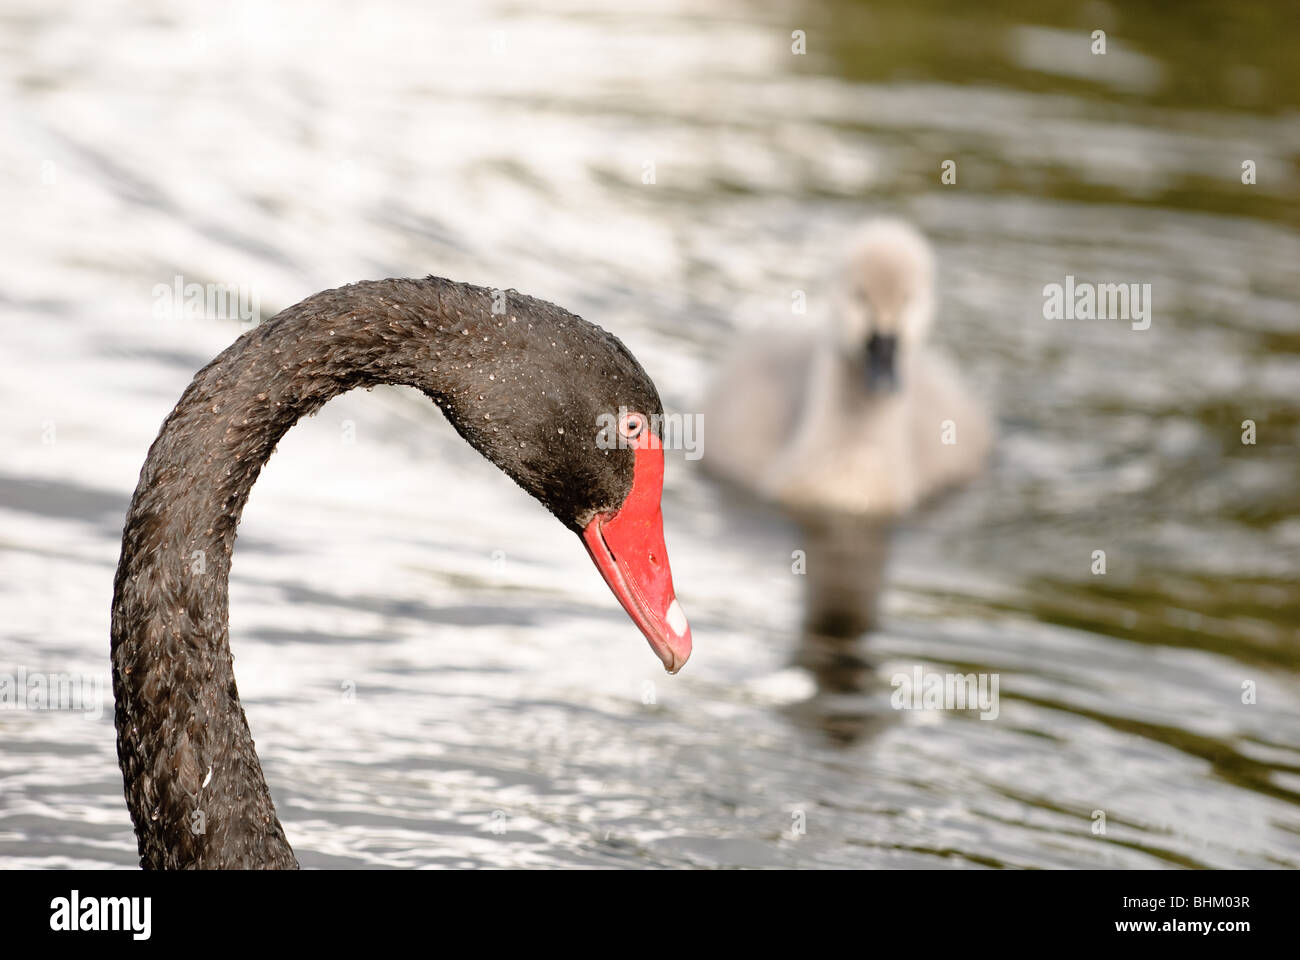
(886, 299)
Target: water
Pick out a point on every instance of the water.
(433, 673)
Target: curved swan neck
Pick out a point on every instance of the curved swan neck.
(193, 783)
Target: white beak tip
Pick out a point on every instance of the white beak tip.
(676, 619)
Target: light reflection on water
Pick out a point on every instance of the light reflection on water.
(409, 693)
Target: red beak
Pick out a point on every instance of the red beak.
(627, 547)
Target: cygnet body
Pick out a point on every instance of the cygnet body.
(861, 418)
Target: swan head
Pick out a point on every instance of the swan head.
(564, 409)
(885, 299)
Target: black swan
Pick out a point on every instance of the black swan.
(555, 402)
(863, 420)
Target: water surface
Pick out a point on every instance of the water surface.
(432, 671)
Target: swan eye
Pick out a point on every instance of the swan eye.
(631, 426)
